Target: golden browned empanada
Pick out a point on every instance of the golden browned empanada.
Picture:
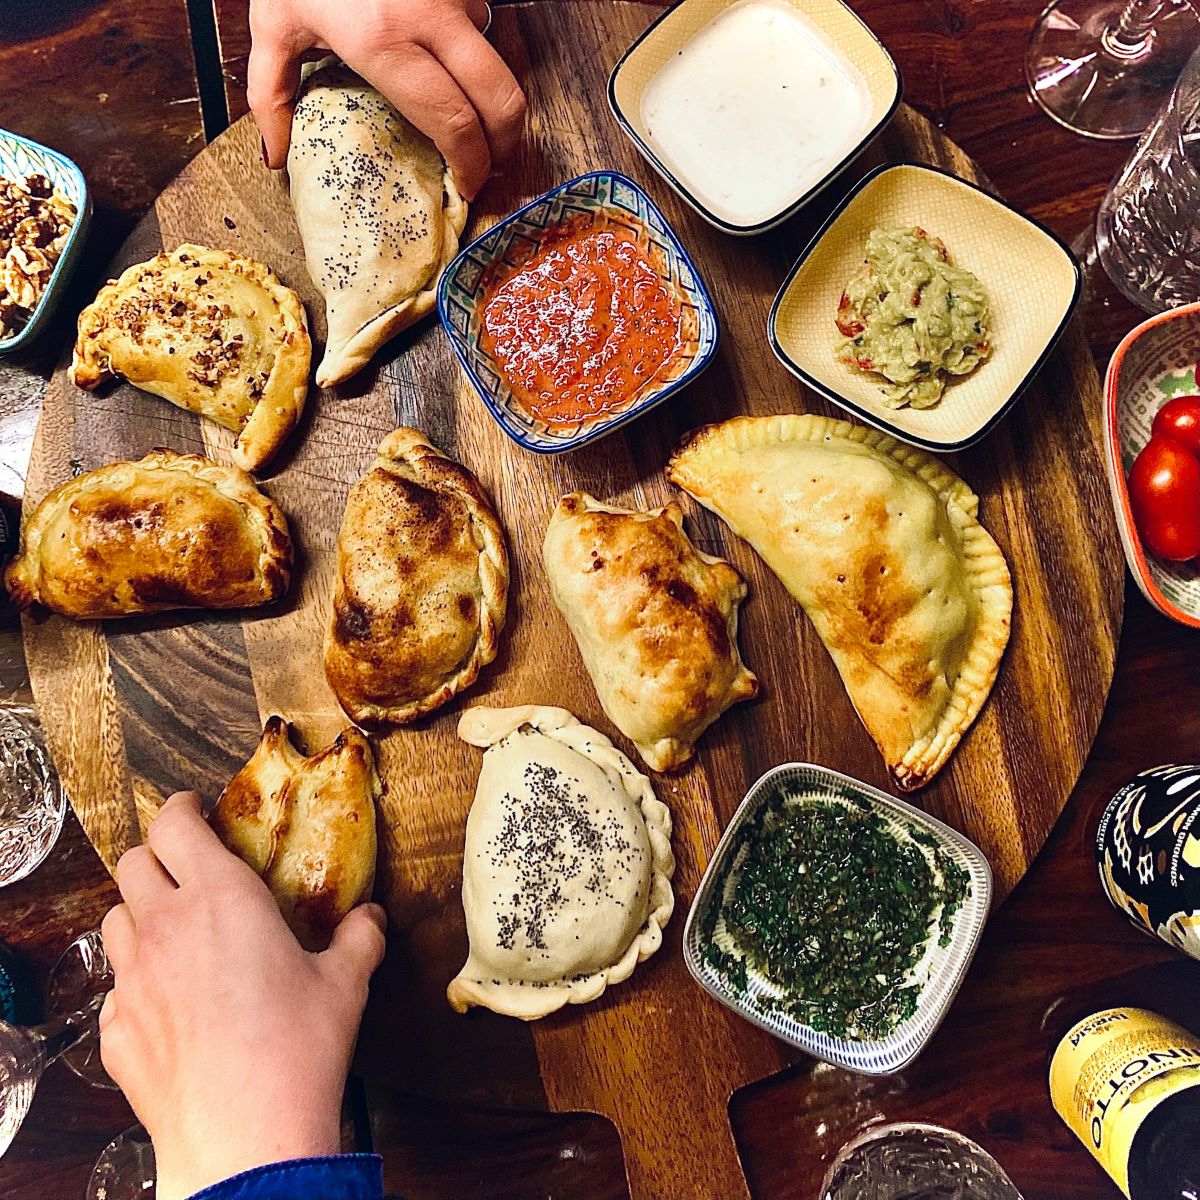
(655, 619)
(422, 585)
(378, 213)
(881, 545)
(212, 332)
(168, 531)
(567, 864)
(307, 826)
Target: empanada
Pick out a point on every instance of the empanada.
(168, 531)
(656, 622)
(307, 826)
(378, 213)
(881, 545)
(212, 332)
(422, 585)
(567, 865)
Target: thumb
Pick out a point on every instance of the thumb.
(272, 77)
(358, 943)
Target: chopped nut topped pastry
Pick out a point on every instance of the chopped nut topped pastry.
(567, 865)
(882, 546)
(212, 332)
(170, 531)
(307, 826)
(35, 222)
(378, 213)
(656, 622)
(422, 585)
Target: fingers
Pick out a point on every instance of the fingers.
(184, 843)
(141, 878)
(486, 81)
(358, 943)
(272, 77)
(119, 935)
(108, 1010)
(423, 90)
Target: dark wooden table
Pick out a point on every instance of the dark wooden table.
(130, 89)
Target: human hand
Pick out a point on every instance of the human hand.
(230, 1042)
(428, 57)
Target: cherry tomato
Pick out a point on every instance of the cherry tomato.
(1179, 420)
(1164, 493)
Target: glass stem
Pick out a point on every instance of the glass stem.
(56, 1036)
(1129, 38)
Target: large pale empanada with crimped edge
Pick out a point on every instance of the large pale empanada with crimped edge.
(378, 213)
(881, 545)
(212, 332)
(307, 826)
(168, 531)
(422, 585)
(567, 865)
(655, 620)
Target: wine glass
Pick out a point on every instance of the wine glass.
(911, 1161)
(32, 804)
(125, 1170)
(1103, 68)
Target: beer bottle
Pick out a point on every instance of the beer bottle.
(1127, 1082)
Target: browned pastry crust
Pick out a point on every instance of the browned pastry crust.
(421, 589)
(211, 331)
(169, 531)
(307, 826)
(655, 620)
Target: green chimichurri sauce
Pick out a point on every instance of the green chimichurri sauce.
(835, 909)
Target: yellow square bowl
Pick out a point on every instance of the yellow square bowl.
(679, 24)
(1032, 281)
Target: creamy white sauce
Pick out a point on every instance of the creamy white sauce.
(754, 110)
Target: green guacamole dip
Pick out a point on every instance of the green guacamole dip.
(910, 315)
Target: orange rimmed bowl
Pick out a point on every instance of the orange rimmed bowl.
(1155, 361)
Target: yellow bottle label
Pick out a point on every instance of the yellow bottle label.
(1111, 1071)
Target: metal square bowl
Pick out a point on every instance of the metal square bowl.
(617, 199)
(20, 158)
(948, 964)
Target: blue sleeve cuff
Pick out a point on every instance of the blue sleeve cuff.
(338, 1177)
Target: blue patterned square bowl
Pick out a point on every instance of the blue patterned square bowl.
(615, 199)
(20, 158)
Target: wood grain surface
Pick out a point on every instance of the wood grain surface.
(177, 700)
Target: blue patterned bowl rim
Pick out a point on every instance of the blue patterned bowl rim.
(601, 428)
(80, 195)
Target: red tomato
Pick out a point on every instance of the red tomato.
(1164, 492)
(1179, 420)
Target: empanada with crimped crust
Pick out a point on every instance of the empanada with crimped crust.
(307, 826)
(655, 620)
(377, 210)
(211, 331)
(566, 868)
(422, 585)
(882, 546)
(168, 531)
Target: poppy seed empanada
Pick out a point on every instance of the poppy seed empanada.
(882, 546)
(567, 864)
(307, 826)
(378, 213)
(656, 622)
(212, 332)
(168, 531)
(422, 585)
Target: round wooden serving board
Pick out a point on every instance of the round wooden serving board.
(137, 708)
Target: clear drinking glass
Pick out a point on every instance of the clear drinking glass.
(910, 1161)
(1103, 68)
(125, 1170)
(32, 804)
(1148, 226)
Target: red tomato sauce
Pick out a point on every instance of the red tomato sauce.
(583, 324)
